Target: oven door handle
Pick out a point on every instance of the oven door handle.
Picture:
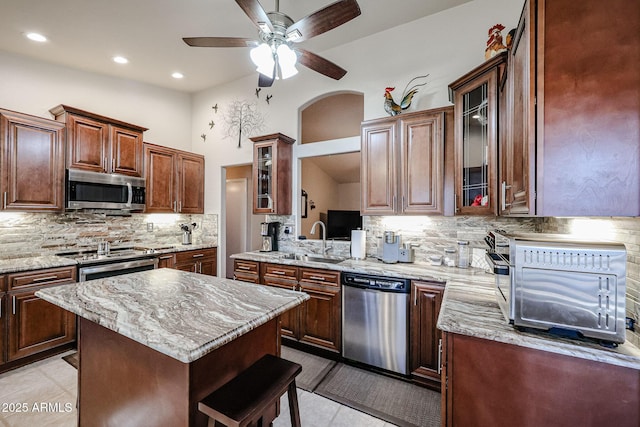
(84, 271)
(130, 198)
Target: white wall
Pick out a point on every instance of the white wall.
(33, 87)
(446, 46)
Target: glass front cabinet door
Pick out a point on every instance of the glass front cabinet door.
(475, 98)
(272, 174)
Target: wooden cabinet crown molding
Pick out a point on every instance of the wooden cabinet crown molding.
(62, 109)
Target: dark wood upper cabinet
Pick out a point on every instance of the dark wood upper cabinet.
(101, 144)
(175, 180)
(588, 107)
(272, 157)
(402, 163)
(475, 96)
(569, 143)
(32, 162)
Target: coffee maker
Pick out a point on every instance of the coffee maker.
(269, 233)
(390, 248)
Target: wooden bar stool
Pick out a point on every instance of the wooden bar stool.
(242, 401)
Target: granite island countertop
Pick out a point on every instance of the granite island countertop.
(469, 306)
(181, 314)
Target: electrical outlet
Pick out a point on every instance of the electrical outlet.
(287, 229)
(149, 226)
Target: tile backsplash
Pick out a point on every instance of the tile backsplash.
(433, 234)
(29, 234)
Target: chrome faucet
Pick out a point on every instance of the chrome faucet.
(324, 236)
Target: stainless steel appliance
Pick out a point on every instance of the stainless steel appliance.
(118, 261)
(561, 284)
(93, 190)
(375, 321)
(187, 229)
(269, 233)
(390, 247)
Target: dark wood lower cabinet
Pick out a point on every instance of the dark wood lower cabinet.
(426, 298)
(36, 325)
(489, 383)
(197, 261)
(167, 261)
(247, 271)
(31, 328)
(318, 320)
(320, 317)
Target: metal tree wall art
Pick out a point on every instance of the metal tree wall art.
(242, 117)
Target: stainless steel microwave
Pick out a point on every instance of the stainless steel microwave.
(561, 284)
(93, 190)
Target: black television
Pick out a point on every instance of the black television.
(340, 224)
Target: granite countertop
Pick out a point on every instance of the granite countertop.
(14, 265)
(471, 309)
(38, 262)
(415, 270)
(469, 306)
(183, 315)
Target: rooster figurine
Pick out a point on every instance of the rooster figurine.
(390, 105)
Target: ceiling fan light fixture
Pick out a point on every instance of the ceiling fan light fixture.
(294, 35)
(287, 59)
(262, 57)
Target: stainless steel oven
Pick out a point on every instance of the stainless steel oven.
(116, 261)
(117, 268)
(92, 190)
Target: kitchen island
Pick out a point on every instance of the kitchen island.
(153, 343)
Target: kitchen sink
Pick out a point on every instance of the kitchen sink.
(312, 258)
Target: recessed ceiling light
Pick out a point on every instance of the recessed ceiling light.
(36, 37)
(120, 59)
(177, 75)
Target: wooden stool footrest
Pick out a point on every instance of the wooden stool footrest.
(245, 398)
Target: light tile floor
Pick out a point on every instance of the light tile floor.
(43, 394)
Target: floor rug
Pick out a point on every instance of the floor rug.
(390, 399)
(72, 359)
(314, 368)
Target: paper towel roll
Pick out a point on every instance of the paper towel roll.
(358, 244)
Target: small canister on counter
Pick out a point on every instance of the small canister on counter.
(463, 253)
(449, 258)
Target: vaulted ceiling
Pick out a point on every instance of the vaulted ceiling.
(86, 34)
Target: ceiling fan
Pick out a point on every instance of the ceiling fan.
(273, 53)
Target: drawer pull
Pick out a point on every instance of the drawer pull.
(244, 267)
(278, 272)
(43, 279)
(198, 255)
(317, 278)
(166, 257)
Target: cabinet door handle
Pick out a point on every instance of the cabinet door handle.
(175, 206)
(200, 267)
(113, 165)
(317, 278)
(0, 308)
(415, 297)
(180, 206)
(5, 200)
(106, 165)
(394, 202)
(503, 188)
(293, 288)
(455, 202)
(43, 279)
(439, 356)
(14, 305)
(404, 206)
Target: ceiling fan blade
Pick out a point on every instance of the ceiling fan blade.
(324, 19)
(319, 64)
(219, 42)
(256, 13)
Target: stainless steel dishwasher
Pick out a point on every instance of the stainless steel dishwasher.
(375, 321)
